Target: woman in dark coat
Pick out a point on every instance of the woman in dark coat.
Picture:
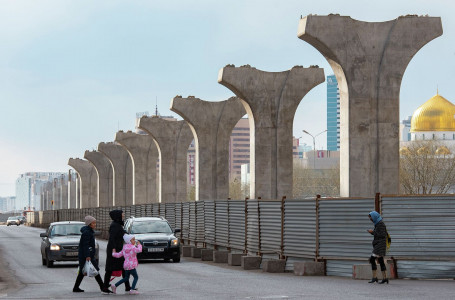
(87, 252)
(379, 247)
(116, 233)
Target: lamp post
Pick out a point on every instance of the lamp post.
(314, 145)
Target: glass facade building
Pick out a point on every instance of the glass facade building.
(333, 114)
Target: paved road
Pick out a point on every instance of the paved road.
(190, 279)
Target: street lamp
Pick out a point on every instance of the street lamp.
(314, 145)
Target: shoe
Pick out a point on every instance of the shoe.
(77, 290)
(134, 292)
(106, 292)
(373, 280)
(384, 281)
(114, 289)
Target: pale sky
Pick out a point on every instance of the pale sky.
(73, 72)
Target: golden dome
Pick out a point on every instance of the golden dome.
(437, 114)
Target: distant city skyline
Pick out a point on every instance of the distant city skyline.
(73, 73)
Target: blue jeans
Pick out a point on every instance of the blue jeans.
(127, 278)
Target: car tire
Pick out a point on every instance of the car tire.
(44, 262)
(49, 263)
(176, 259)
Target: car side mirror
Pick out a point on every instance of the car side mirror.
(43, 234)
(97, 233)
(177, 230)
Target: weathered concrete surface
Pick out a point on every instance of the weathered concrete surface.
(63, 193)
(88, 182)
(274, 265)
(72, 191)
(250, 262)
(196, 252)
(122, 170)
(206, 254)
(309, 268)
(212, 124)
(144, 153)
(270, 99)
(220, 256)
(105, 177)
(364, 272)
(173, 139)
(186, 251)
(369, 60)
(235, 259)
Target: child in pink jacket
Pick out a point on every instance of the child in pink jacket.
(129, 251)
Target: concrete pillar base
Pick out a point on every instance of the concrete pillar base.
(309, 268)
(364, 272)
(250, 262)
(207, 254)
(186, 251)
(274, 265)
(234, 259)
(196, 252)
(220, 256)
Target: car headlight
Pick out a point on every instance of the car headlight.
(174, 242)
(55, 247)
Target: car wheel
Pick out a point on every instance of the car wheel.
(49, 263)
(166, 260)
(176, 259)
(17, 224)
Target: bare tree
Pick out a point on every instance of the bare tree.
(426, 167)
(309, 182)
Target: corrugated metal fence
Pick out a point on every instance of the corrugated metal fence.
(332, 230)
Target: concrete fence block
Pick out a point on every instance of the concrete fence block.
(364, 271)
(186, 251)
(309, 268)
(250, 262)
(206, 254)
(196, 252)
(274, 265)
(220, 256)
(235, 259)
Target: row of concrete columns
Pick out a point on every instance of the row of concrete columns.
(60, 193)
(369, 60)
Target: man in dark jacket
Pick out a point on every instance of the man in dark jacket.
(116, 233)
(87, 252)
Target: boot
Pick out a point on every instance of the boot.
(374, 278)
(76, 288)
(384, 278)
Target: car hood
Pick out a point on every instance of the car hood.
(154, 236)
(71, 239)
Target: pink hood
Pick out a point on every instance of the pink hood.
(129, 251)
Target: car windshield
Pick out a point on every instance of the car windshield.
(66, 229)
(12, 218)
(151, 227)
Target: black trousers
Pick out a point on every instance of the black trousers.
(381, 263)
(107, 279)
(80, 277)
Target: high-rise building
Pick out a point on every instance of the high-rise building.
(239, 148)
(405, 130)
(333, 114)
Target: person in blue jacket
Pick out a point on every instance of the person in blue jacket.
(87, 252)
(379, 246)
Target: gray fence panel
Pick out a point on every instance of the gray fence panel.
(300, 228)
(222, 223)
(178, 217)
(342, 267)
(253, 244)
(270, 226)
(200, 221)
(170, 213)
(343, 225)
(209, 230)
(193, 228)
(426, 269)
(237, 224)
(186, 220)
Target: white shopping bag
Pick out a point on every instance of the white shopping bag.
(89, 269)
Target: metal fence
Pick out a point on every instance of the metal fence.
(331, 230)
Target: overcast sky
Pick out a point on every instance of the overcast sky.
(74, 72)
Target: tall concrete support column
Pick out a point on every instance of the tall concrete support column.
(270, 99)
(122, 170)
(369, 60)
(212, 124)
(63, 193)
(72, 192)
(105, 177)
(144, 154)
(173, 139)
(88, 182)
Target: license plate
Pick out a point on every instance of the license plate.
(72, 253)
(155, 249)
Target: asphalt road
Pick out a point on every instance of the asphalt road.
(26, 278)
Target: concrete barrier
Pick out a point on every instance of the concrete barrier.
(274, 265)
(206, 254)
(220, 256)
(186, 251)
(250, 262)
(235, 259)
(309, 268)
(196, 252)
(364, 272)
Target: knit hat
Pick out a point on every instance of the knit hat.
(89, 220)
(127, 238)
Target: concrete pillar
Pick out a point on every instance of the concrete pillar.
(270, 99)
(123, 172)
(173, 139)
(88, 182)
(212, 124)
(369, 60)
(144, 154)
(103, 167)
(63, 193)
(72, 192)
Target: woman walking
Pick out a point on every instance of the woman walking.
(87, 253)
(379, 247)
(116, 233)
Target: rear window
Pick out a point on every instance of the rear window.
(150, 227)
(66, 229)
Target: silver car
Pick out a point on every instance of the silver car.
(61, 242)
(13, 221)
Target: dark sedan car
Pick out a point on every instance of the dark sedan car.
(61, 242)
(156, 236)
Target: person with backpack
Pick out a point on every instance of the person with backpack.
(379, 247)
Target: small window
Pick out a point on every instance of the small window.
(433, 136)
(443, 136)
(423, 136)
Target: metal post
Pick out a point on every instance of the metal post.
(314, 145)
(282, 228)
(318, 197)
(246, 226)
(377, 206)
(259, 228)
